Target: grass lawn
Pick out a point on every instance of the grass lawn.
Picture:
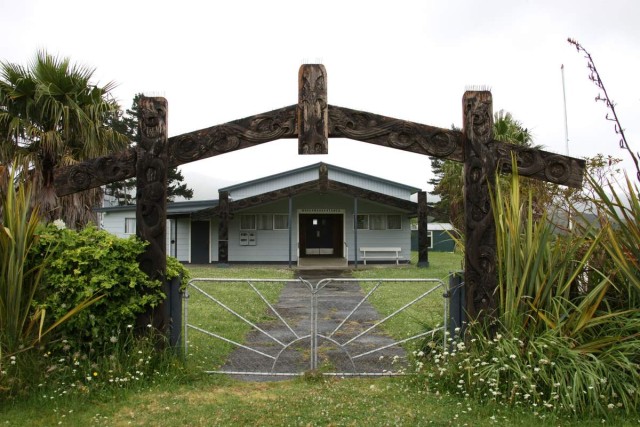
(186, 396)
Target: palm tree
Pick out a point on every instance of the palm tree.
(52, 115)
(450, 182)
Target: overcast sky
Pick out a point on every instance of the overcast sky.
(220, 61)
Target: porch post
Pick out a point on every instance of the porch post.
(423, 231)
(223, 228)
(151, 203)
(480, 278)
(290, 229)
(355, 233)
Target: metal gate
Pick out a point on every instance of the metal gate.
(334, 326)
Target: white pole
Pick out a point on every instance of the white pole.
(564, 98)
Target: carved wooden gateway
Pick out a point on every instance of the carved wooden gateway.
(313, 121)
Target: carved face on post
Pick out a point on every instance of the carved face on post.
(313, 115)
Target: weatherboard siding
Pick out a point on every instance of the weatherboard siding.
(370, 184)
(266, 186)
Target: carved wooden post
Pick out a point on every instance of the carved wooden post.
(151, 195)
(313, 111)
(223, 228)
(480, 229)
(423, 231)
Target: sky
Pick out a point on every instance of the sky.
(221, 61)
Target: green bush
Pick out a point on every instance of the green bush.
(89, 263)
(176, 269)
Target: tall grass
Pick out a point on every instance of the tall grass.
(564, 341)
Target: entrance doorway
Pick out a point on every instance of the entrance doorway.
(200, 242)
(321, 235)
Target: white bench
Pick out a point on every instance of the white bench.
(383, 253)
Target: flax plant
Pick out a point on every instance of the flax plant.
(539, 269)
(18, 280)
(22, 325)
(620, 215)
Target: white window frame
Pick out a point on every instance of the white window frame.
(399, 221)
(430, 234)
(247, 216)
(264, 221)
(383, 217)
(286, 220)
(366, 223)
(129, 226)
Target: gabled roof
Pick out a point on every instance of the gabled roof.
(317, 166)
(208, 207)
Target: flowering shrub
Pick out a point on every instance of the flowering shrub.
(90, 263)
(544, 372)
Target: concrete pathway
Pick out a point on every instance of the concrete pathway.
(335, 301)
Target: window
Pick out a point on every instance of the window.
(280, 222)
(362, 222)
(377, 222)
(265, 221)
(394, 222)
(247, 222)
(430, 240)
(129, 226)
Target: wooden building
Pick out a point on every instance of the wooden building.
(316, 212)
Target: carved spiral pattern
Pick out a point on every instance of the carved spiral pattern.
(80, 178)
(557, 169)
(224, 141)
(394, 133)
(186, 148)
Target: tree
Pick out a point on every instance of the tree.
(448, 181)
(124, 191)
(52, 115)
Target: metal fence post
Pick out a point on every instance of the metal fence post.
(175, 312)
(456, 294)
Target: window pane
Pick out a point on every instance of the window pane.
(363, 222)
(247, 222)
(394, 222)
(265, 222)
(129, 225)
(430, 240)
(377, 222)
(280, 222)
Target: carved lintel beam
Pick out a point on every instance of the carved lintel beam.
(224, 213)
(232, 136)
(343, 123)
(151, 201)
(480, 229)
(184, 148)
(423, 231)
(395, 133)
(313, 117)
(96, 172)
(539, 164)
